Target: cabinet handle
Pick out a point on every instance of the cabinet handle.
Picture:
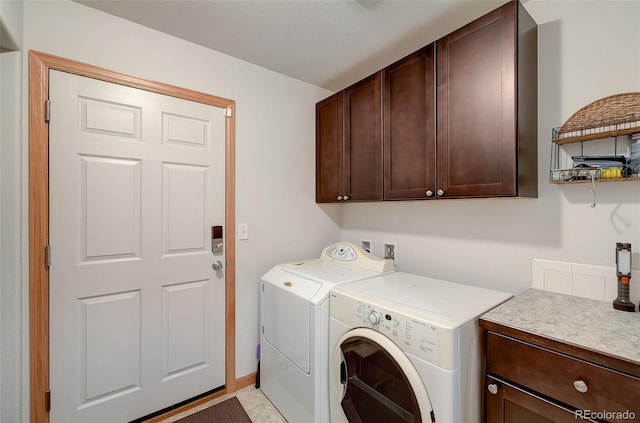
(429, 193)
(440, 192)
(492, 388)
(339, 197)
(346, 197)
(580, 386)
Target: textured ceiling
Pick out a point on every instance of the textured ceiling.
(328, 43)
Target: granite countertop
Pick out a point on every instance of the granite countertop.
(587, 323)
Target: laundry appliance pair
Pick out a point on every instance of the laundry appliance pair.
(344, 338)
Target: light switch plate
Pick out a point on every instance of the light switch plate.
(243, 231)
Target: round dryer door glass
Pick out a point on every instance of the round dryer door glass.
(377, 390)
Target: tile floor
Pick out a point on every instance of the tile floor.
(255, 403)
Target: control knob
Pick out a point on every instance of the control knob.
(374, 318)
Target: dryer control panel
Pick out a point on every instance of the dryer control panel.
(411, 333)
(342, 252)
(345, 252)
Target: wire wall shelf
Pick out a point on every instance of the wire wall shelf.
(601, 131)
(611, 116)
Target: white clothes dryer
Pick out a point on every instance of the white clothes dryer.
(406, 348)
(294, 339)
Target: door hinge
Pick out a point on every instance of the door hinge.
(47, 110)
(228, 112)
(47, 256)
(47, 400)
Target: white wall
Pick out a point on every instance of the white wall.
(587, 50)
(12, 296)
(275, 175)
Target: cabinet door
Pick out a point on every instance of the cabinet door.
(512, 405)
(329, 149)
(409, 127)
(476, 109)
(363, 139)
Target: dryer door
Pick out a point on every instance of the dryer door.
(373, 380)
(285, 316)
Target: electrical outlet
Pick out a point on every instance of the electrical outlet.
(390, 251)
(366, 245)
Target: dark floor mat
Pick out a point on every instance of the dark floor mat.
(228, 411)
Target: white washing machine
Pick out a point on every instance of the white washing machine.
(294, 340)
(406, 348)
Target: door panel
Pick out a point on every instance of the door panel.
(183, 206)
(137, 315)
(363, 139)
(118, 355)
(514, 405)
(409, 127)
(110, 200)
(329, 149)
(476, 128)
(184, 336)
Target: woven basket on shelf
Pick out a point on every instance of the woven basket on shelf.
(608, 117)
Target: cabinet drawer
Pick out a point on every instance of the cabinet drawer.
(562, 377)
(513, 405)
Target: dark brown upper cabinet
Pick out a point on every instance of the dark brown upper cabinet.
(487, 107)
(349, 143)
(409, 127)
(459, 120)
(329, 149)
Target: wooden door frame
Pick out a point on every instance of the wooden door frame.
(39, 66)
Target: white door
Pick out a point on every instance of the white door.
(137, 316)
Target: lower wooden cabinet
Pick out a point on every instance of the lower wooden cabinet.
(509, 404)
(530, 382)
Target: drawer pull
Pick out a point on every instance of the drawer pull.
(492, 388)
(580, 386)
